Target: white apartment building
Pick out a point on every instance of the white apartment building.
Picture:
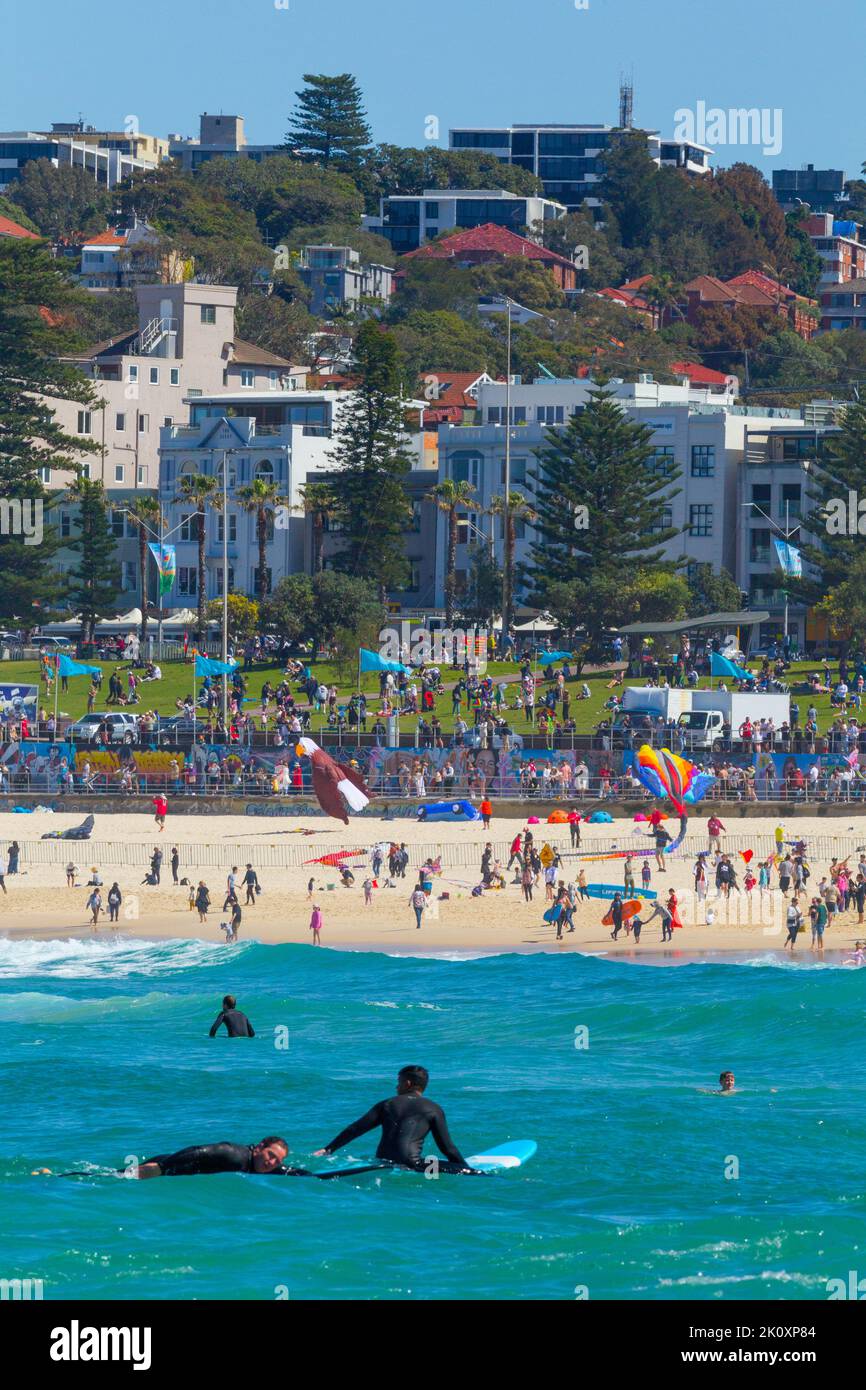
(183, 347)
(695, 431)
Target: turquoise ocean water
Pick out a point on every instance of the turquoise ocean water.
(105, 1055)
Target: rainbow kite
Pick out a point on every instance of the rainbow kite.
(665, 774)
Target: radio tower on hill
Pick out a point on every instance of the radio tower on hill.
(626, 102)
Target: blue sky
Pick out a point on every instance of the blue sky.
(467, 62)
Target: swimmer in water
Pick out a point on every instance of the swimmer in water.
(406, 1119)
(726, 1083)
(268, 1156)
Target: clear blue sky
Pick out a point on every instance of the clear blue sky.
(484, 62)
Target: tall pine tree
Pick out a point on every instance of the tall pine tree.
(839, 469)
(600, 516)
(370, 499)
(329, 124)
(94, 584)
(35, 303)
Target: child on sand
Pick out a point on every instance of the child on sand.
(368, 891)
(316, 925)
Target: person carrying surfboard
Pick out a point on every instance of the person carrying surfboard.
(405, 1120)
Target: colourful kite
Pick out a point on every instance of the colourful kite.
(666, 774)
(335, 859)
(336, 786)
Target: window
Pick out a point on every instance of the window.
(761, 494)
(431, 212)
(167, 422)
(550, 414)
(248, 376)
(273, 380)
(132, 373)
(45, 474)
(701, 519)
(84, 422)
(193, 391)
(208, 313)
(265, 471)
(85, 470)
(496, 415)
(665, 522)
(703, 460)
(174, 376)
(117, 523)
(143, 423)
(118, 472)
(218, 580)
(415, 523)
(516, 473)
(120, 422)
(186, 526)
(130, 575)
(257, 588)
(142, 473)
(233, 527)
(759, 546)
(232, 474)
(154, 376)
(465, 468)
(790, 502)
(661, 460)
(187, 580)
(65, 525)
(468, 529)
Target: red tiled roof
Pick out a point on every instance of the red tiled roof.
(10, 228)
(452, 389)
(490, 237)
(625, 296)
(763, 282)
(107, 238)
(698, 375)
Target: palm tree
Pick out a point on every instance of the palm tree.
(145, 515)
(664, 296)
(447, 496)
(198, 490)
(318, 502)
(518, 510)
(259, 498)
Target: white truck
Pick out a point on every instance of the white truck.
(702, 714)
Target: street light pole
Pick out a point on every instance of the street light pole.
(506, 595)
(225, 648)
(787, 534)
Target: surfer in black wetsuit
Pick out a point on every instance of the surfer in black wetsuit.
(237, 1024)
(268, 1156)
(406, 1119)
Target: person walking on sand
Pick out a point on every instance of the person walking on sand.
(715, 830)
(628, 875)
(818, 916)
(14, 852)
(202, 900)
(161, 807)
(582, 886)
(175, 864)
(574, 827)
(94, 902)
(115, 898)
(418, 902)
(616, 915)
(661, 838)
(251, 883)
(368, 892)
(71, 871)
(794, 920)
(486, 810)
(236, 919)
(526, 881)
(316, 924)
(156, 864)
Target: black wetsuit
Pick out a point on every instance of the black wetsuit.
(406, 1120)
(214, 1158)
(237, 1024)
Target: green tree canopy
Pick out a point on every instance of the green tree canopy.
(329, 123)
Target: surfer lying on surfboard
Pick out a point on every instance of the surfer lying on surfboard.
(406, 1119)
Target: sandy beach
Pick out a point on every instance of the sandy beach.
(39, 904)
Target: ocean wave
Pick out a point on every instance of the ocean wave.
(74, 958)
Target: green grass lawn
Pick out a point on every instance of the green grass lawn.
(178, 681)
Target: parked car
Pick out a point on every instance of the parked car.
(52, 642)
(178, 728)
(122, 728)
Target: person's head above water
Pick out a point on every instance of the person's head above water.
(726, 1080)
(229, 1002)
(412, 1079)
(269, 1154)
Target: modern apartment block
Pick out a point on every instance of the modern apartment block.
(695, 430)
(842, 253)
(109, 156)
(220, 137)
(129, 256)
(568, 158)
(339, 282)
(774, 501)
(408, 221)
(183, 347)
(822, 189)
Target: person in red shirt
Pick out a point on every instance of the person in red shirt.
(161, 805)
(486, 812)
(515, 853)
(714, 830)
(574, 819)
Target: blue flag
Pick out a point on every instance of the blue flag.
(721, 666)
(67, 667)
(547, 658)
(372, 661)
(789, 557)
(205, 666)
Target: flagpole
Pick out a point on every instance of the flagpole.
(56, 697)
(358, 711)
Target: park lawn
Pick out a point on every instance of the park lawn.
(178, 681)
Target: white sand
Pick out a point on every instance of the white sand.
(39, 904)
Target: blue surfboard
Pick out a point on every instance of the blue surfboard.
(495, 1159)
(607, 890)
